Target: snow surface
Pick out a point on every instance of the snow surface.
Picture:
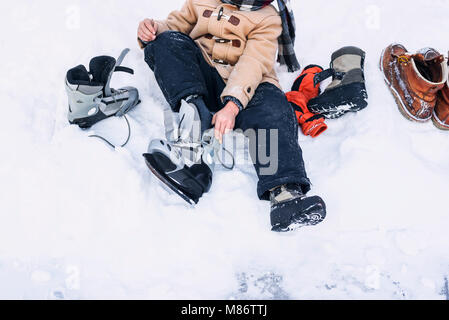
(78, 220)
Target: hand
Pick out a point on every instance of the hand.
(147, 30)
(224, 120)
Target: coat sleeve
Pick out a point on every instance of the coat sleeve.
(183, 20)
(258, 60)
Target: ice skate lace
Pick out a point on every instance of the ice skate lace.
(110, 143)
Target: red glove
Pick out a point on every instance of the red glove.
(303, 91)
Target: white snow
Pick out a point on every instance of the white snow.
(79, 221)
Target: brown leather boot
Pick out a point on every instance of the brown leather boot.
(414, 79)
(441, 113)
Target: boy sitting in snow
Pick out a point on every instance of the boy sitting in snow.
(214, 62)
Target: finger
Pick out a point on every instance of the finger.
(231, 126)
(220, 138)
(214, 118)
(222, 132)
(147, 27)
(156, 27)
(147, 38)
(218, 130)
(218, 135)
(146, 32)
(143, 37)
(143, 28)
(228, 129)
(223, 128)
(150, 26)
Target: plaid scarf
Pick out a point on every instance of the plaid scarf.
(287, 39)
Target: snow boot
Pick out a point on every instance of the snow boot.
(414, 79)
(185, 165)
(291, 209)
(440, 116)
(303, 90)
(347, 91)
(91, 99)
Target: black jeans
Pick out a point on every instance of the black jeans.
(181, 70)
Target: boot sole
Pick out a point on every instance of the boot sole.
(338, 101)
(402, 109)
(311, 216)
(309, 221)
(438, 123)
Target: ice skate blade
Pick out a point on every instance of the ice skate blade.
(166, 182)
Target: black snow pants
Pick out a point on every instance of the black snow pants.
(181, 70)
